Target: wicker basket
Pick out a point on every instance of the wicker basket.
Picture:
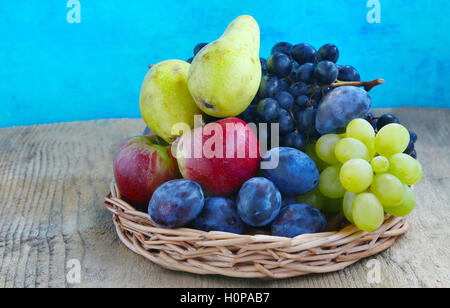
(247, 256)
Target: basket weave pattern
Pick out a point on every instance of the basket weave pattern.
(247, 256)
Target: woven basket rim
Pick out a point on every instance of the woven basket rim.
(247, 256)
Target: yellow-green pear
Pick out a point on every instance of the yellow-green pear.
(165, 99)
(224, 76)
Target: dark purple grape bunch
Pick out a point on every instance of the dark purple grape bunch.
(197, 48)
(294, 80)
(385, 119)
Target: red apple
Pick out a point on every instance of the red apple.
(141, 165)
(220, 156)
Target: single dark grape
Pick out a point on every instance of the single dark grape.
(285, 99)
(301, 102)
(306, 120)
(298, 88)
(329, 52)
(263, 63)
(386, 119)
(410, 147)
(412, 136)
(268, 87)
(369, 117)
(199, 47)
(268, 109)
(294, 140)
(348, 73)
(326, 72)
(374, 123)
(316, 95)
(305, 73)
(283, 85)
(282, 47)
(304, 53)
(285, 121)
(279, 64)
(413, 154)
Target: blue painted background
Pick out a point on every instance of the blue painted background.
(53, 71)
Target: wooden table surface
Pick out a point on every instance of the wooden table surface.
(53, 179)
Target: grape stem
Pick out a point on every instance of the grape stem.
(368, 85)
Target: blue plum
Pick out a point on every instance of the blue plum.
(297, 219)
(258, 202)
(339, 107)
(296, 173)
(219, 214)
(176, 203)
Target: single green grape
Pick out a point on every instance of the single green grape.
(332, 205)
(371, 148)
(406, 168)
(360, 129)
(347, 205)
(388, 189)
(367, 212)
(380, 164)
(311, 152)
(325, 148)
(313, 198)
(329, 184)
(356, 175)
(408, 204)
(349, 148)
(391, 139)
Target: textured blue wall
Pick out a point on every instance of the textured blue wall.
(53, 71)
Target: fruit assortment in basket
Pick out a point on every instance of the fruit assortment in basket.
(235, 142)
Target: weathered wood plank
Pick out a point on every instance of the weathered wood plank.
(53, 179)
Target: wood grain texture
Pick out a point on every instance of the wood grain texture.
(53, 179)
